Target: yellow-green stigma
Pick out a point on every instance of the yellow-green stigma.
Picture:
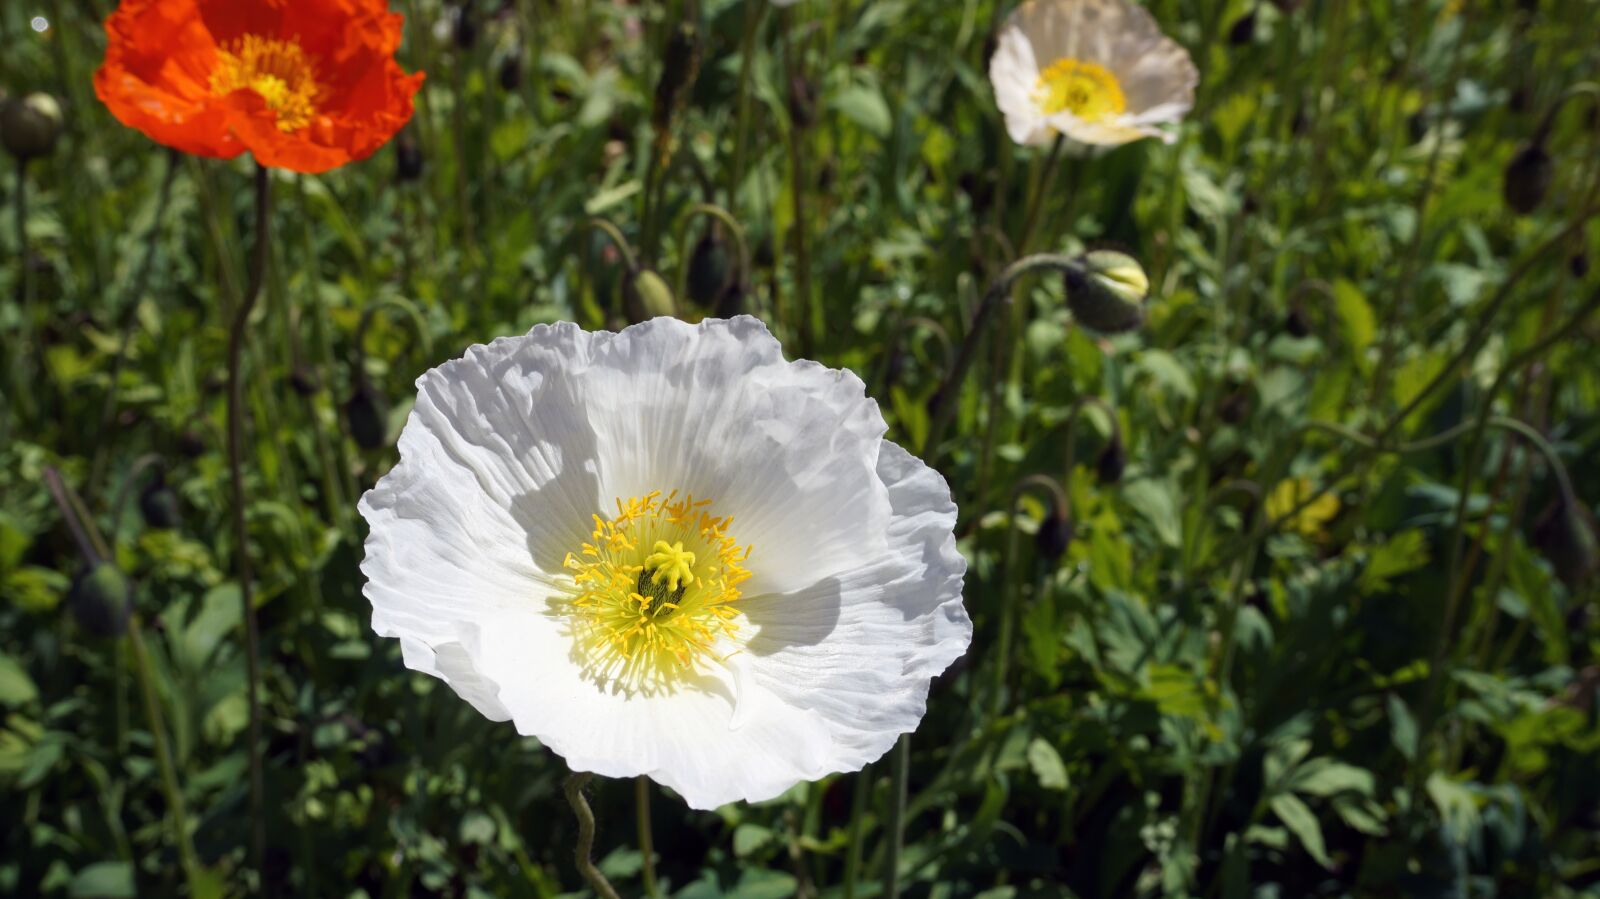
(653, 594)
(1088, 90)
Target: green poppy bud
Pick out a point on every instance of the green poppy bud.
(408, 158)
(101, 600)
(1054, 536)
(30, 125)
(366, 413)
(158, 505)
(1107, 292)
(1113, 461)
(647, 296)
(708, 269)
(1527, 178)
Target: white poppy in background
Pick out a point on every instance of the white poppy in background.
(668, 552)
(1097, 71)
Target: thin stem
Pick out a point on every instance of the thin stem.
(1396, 306)
(28, 343)
(163, 750)
(127, 318)
(754, 10)
(797, 188)
(735, 230)
(1011, 581)
(1041, 192)
(241, 321)
(617, 240)
(1374, 446)
(641, 796)
(91, 549)
(858, 813)
(585, 846)
(24, 269)
(997, 296)
(899, 775)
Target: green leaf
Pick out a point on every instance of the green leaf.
(1157, 502)
(864, 105)
(1456, 804)
(103, 880)
(1402, 727)
(16, 687)
(221, 611)
(1361, 814)
(1404, 552)
(1297, 816)
(14, 541)
(477, 827)
(1325, 777)
(747, 838)
(758, 883)
(1047, 765)
(1357, 322)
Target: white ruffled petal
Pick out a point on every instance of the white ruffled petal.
(1155, 74)
(788, 449)
(513, 449)
(860, 649)
(1014, 73)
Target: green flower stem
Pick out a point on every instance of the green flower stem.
(169, 778)
(630, 261)
(584, 848)
(1011, 579)
(997, 297)
(236, 337)
(338, 478)
(735, 230)
(128, 320)
(1395, 308)
(92, 546)
(1458, 583)
(641, 796)
(1043, 181)
(859, 794)
(753, 13)
(28, 341)
(1373, 446)
(798, 183)
(899, 775)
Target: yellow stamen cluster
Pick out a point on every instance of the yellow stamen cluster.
(280, 71)
(653, 593)
(1087, 90)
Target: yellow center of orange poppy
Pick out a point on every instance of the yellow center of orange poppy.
(1086, 89)
(278, 70)
(653, 595)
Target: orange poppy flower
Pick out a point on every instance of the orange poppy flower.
(306, 85)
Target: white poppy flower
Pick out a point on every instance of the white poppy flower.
(668, 552)
(1097, 71)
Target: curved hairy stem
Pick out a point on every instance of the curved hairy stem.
(584, 848)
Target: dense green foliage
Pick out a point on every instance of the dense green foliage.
(1325, 623)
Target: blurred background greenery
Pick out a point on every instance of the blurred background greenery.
(1312, 616)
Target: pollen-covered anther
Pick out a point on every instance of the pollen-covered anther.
(278, 70)
(1084, 89)
(652, 591)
